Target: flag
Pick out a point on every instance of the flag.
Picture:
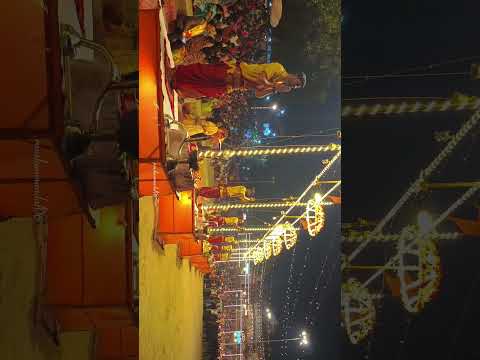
(393, 283)
(467, 227)
(335, 199)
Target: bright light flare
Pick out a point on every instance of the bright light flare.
(274, 107)
(425, 221)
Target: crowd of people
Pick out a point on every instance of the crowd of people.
(219, 55)
(220, 318)
(222, 30)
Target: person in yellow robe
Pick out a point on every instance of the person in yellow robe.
(196, 127)
(232, 221)
(237, 192)
(215, 80)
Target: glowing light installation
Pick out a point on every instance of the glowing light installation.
(464, 103)
(358, 310)
(277, 245)
(290, 236)
(315, 216)
(250, 152)
(258, 255)
(267, 250)
(419, 273)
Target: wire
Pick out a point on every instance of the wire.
(387, 76)
(425, 67)
(396, 98)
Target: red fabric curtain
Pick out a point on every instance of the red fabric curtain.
(80, 14)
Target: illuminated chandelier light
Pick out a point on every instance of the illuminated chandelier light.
(277, 245)
(290, 236)
(267, 249)
(418, 272)
(358, 311)
(315, 216)
(258, 255)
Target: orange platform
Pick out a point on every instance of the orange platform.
(151, 123)
(175, 224)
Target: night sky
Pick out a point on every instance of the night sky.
(382, 156)
(299, 304)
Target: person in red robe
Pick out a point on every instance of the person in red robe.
(216, 80)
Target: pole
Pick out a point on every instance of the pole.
(450, 185)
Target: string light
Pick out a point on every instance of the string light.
(258, 205)
(461, 104)
(227, 154)
(359, 237)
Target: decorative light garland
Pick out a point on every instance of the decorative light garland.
(238, 229)
(258, 255)
(290, 235)
(315, 216)
(466, 103)
(358, 311)
(277, 245)
(258, 205)
(250, 152)
(267, 250)
(422, 263)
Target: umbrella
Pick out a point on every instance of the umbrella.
(276, 12)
